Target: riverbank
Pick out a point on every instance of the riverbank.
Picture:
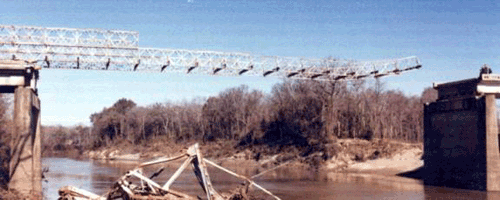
(378, 157)
(384, 157)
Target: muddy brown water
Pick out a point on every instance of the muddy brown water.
(286, 182)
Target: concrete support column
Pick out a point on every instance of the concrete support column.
(25, 165)
(37, 148)
(492, 148)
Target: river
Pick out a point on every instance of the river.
(287, 183)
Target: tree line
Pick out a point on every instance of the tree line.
(294, 113)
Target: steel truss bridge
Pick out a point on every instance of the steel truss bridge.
(97, 49)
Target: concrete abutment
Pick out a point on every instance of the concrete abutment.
(461, 140)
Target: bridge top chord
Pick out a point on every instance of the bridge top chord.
(32, 35)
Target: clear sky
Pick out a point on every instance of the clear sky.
(452, 39)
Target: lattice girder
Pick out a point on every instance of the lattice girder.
(97, 49)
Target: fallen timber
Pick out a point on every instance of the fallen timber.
(147, 189)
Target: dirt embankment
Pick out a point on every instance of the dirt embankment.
(124, 150)
(344, 155)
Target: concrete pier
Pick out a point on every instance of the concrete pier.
(25, 167)
(461, 141)
(25, 164)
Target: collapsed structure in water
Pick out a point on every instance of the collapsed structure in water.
(125, 188)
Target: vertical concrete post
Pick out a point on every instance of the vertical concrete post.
(492, 149)
(37, 146)
(25, 165)
(22, 155)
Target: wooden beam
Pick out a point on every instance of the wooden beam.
(242, 177)
(152, 183)
(80, 192)
(162, 160)
(177, 173)
(211, 192)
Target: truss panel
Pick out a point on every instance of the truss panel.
(96, 49)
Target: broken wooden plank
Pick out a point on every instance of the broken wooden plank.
(126, 189)
(242, 177)
(211, 192)
(177, 173)
(76, 192)
(146, 179)
(152, 183)
(162, 160)
(166, 197)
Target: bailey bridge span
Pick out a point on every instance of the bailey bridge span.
(97, 49)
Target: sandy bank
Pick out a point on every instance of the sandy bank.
(383, 158)
(380, 157)
(408, 160)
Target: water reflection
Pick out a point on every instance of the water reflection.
(62, 172)
(287, 183)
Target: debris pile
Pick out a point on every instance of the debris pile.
(146, 188)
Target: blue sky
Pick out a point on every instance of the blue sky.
(451, 38)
